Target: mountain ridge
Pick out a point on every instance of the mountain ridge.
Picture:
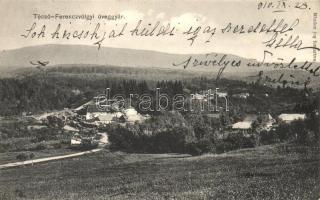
(84, 54)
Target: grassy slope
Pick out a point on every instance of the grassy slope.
(269, 172)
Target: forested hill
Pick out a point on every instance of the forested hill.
(39, 92)
(82, 54)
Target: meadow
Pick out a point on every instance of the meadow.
(282, 171)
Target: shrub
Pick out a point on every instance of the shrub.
(270, 137)
(31, 155)
(22, 156)
(87, 144)
(224, 146)
(201, 146)
(234, 141)
(169, 141)
(121, 139)
(20, 193)
(40, 146)
(57, 145)
(4, 148)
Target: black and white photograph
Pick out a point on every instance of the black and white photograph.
(159, 99)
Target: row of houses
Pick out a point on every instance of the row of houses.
(128, 115)
(270, 121)
(95, 116)
(204, 95)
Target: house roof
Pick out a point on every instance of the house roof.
(222, 94)
(242, 125)
(291, 117)
(106, 117)
(270, 117)
(70, 128)
(132, 115)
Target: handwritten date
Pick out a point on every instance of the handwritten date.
(282, 5)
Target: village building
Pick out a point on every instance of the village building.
(222, 94)
(243, 95)
(199, 96)
(288, 118)
(129, 115)
(76, 140)
(133, 116)
(69, 128)
(269, 123)
(95, 114)
(245, 125)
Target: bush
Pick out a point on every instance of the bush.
(87, 144)
(224, 146)
(31, 155)
(22, 156)
(171, 141)
(201, 146)
(40, 146)
(121, 139)
(4, 148)
(270, 137)
(57, 145)
(234, 141)
(168, 141)
(298, 131)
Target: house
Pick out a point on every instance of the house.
(133, 116)
(109, 117)
(95, 114)
(245, 125)
(288, 118)
(222, 94)
(243, 95)
(103, 138)
(76, 140)
(199, 96)
(70, 129)
(269, 123)
(36, 127)
(213, 115)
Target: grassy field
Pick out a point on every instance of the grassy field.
(267, 172)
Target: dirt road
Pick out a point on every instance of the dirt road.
(40, 160)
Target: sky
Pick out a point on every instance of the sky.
(17, 16)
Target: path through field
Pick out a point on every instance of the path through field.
(40, 160)
(103, 141)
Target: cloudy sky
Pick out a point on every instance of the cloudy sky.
(16, 17)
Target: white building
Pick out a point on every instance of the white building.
(76, 140)
(222, 94)
(133, 116)
(243, 95)
(288, 118)
(199, 96)
(269, 123)
(242, 125)
(70, 128)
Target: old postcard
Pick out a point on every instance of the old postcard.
(160, 99)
